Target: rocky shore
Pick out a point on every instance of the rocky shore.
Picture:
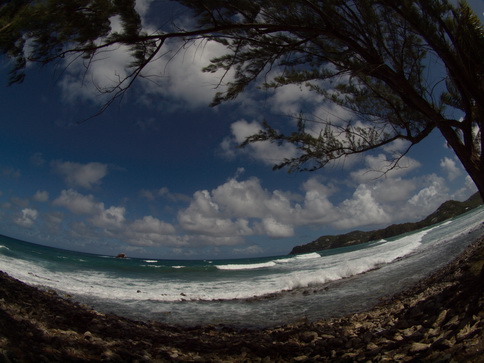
(440, 319)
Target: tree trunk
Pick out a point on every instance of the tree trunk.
(467, 156)
(477, 177)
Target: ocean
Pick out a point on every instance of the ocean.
(258, 292)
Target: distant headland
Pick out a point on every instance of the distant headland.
(446, 210)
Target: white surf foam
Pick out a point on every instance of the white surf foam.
(269, 277)
(302, 271)
(340, 266)
(250, 266)
(308, 256)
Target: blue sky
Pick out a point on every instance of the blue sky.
(158, 174)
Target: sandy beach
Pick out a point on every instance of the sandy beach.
(438, 319)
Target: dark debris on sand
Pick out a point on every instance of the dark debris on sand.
(440, 319)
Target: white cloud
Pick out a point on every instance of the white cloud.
(361, 210)
(314, 184)
(274, 228)
(242, 208)
(236, 209)
(329, 113)
(381, 167)
(393, 190)
(41, 196)
(264, 151)
(450, 167)
(316, 209)
(27, 217)
(290, 98)
(147, 231)
(91, 80)
(176, 73)
(113, 217)
(204, 216)
(149, 224)
(81, 175)
(431, 196)
(242, 198)
(397, 146)
(78, 203)
(150, 231)
(142, 7)
(179, 75)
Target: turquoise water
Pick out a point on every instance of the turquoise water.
(245, 292)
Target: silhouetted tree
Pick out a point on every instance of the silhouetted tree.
(371, 57)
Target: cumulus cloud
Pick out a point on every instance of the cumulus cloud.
(81, 175)
(329, 113)
(289, 99)
(397, 146)
(243, 208)
(205, 217)
(78, 203)
(93, 79)
(264, 151)
(236, 209)
(274, 228)
(242, 198)
(430, 197)
(450, 168)
(361, 210)
(316, 209)
(150, 231)
(175, 73)
(142, 7)
(112, 217)
(180, 75)
(149, 224)
(27, 217)
(393, 190)
(146, 231)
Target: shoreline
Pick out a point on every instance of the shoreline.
(440, 318)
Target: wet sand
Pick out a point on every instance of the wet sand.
(438, 319)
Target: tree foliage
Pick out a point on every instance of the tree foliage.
(402, 68)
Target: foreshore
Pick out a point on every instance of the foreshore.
(438, 319)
